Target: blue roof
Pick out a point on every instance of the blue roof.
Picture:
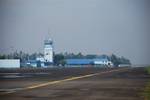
(102, 59)
(83, 61)
(79, 61)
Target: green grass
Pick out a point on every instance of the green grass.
(147, 92)
(148, 69)
(147, 88)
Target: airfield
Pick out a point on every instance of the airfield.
(85, 83)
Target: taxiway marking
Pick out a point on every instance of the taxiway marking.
(8, 91)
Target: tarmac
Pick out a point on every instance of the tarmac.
(87, 83)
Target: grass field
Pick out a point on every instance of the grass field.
(147, 88)
(148, 69)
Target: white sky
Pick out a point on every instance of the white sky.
(121, 27)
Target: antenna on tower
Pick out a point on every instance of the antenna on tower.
(49, 34)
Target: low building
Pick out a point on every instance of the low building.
(9, 63)
(97, 61)
(34, 63)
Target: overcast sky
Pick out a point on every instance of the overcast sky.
(121, 27)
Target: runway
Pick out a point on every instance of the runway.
(75, 84)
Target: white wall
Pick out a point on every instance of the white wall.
(104, 62)
(48, 54)
(9, 63)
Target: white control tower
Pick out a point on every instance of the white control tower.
(48, 51)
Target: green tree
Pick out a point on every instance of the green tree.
(119, 60)
(115, 60)
(59, 59)
(3, 56)
(90, 56)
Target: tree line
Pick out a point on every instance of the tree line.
(59, 58)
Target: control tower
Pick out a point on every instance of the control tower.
(48, 51)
